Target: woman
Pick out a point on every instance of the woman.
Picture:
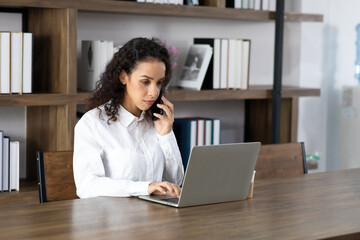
(118, 149)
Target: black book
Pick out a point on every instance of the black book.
(230, 3)
(208, 80)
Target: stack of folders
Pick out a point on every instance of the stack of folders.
(197, 131)
(263, 5)
(15, 62)
(230, 64)
(9, 164)
(95, 55)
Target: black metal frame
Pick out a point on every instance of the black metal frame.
(278, 57)
(304, 157)
(41, 176)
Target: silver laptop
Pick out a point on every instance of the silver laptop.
(215, 174)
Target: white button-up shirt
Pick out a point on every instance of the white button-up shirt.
(123, 158)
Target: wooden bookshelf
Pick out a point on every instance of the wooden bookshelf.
(168, 10)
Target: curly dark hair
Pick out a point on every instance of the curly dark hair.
(109, 90)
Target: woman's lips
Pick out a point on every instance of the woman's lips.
(150, 103)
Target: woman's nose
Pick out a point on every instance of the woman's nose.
(154, 91)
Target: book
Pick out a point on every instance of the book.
(6, 164)
(257, 5)
(272, 5)
(265, 5)
(95, 55)
(216, 66)
(200, 132)
(4, 62)
(91, 64)
(224, 63)
(230, 3)
(212, 73)
(238, 62)
(27, 63)
(251, 4)
(238, 4)
(216, 132)
(232, 64)
(16, 62)
(185, 132)
(245, 4)
(196, 131)
(14, 165)
(209, 131)
(245, 64)
(196, 64)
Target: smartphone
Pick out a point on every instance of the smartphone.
(155, 109)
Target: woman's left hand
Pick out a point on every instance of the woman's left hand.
(164, 123)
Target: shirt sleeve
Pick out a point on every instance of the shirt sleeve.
(174, 170)
(89, 171)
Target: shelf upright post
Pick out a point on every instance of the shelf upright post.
(278, 56)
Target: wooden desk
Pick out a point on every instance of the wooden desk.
(308, 207)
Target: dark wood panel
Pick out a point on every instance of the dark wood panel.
(160, 9)
(280, 160)
(49, 128)
(59, 176)
(258, 118)
(311, 206)
(54, 64)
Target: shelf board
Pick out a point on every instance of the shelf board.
(254, 92)
(28, 194)
(42, 99)
(174, 94)
(127, 7)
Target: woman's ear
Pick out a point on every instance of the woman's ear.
(123, 77)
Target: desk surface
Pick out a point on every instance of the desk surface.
(312, 206)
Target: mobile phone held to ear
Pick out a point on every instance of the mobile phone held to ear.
(155, 109)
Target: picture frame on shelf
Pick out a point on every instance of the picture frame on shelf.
(195, 67)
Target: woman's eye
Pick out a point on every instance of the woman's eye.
(160, 83)
(145, 82)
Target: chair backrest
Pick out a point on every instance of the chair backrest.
(55, 176)
(281, 160)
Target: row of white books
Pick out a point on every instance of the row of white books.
(230, 63)
(195, 131)
(176, 2)
(9, 163)
(16, 62)
(264, 5)
(95, 55)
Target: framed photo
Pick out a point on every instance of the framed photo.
(196, 65)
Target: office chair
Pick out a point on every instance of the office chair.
(55, 176)
(281, 160)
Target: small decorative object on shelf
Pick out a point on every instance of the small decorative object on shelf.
(174, 54)
(312, 160)
(196, 65)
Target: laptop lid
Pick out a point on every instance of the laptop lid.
(216, 173)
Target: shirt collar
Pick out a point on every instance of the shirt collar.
(126, 117)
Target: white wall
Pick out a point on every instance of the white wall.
(327, 61)
(13, 119)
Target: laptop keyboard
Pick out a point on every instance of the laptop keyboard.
(172, 200)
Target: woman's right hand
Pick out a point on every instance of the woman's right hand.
(162, 188)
